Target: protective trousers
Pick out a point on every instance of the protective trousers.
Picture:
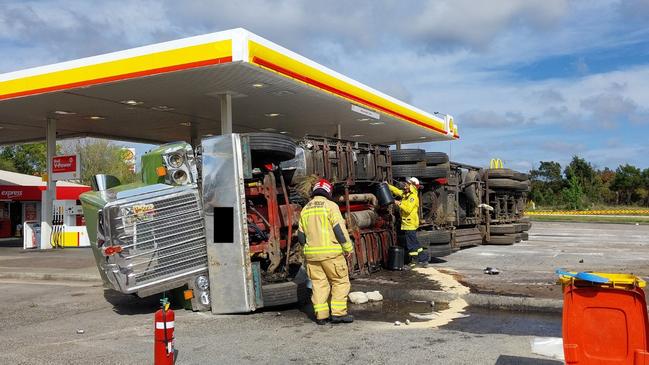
(415, 251)
(329, 277)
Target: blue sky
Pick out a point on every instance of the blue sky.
(526, 81)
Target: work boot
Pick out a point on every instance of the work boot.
(321, 322)
(348, 318)
(422, 264)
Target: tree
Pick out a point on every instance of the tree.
(587, 177)
(547, 183)
(27, 159)
(573, 194)
(7, 165)
(627, 180)
(100, 156)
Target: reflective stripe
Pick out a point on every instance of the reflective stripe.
(308, 250)
(161, 325)
(320, 307)
(347, 247)
(420, 249)
(415, 253)
(335, 304)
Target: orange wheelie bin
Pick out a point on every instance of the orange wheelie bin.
(604, 322)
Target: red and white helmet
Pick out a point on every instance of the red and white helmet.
(323, 185)
(413, 180)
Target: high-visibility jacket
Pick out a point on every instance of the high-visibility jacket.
(409, 207)
(324, 230)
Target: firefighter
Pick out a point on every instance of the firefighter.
(409, 207)
(327, 246)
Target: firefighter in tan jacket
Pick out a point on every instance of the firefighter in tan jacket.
(326, 243)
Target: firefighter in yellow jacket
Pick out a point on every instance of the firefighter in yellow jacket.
(326, 243)
(409, 208)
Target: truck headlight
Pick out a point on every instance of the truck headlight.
(179, 177)
(176, 160)
(202, 283)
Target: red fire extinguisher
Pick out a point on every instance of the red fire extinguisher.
(163, 347)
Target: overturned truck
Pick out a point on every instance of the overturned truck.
(220, 221)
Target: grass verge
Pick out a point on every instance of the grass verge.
(591, 219)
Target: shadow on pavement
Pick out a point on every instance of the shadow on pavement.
(519, 360)
(126, 304)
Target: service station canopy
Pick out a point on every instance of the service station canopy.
(172, 91)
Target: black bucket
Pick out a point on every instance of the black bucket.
(396, 256)
(384, 195)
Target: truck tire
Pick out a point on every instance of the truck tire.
(283, 293)
(440, 250)
(429, 238)
(407, 156)
(507, 239)
(519, 227)
(524, 185)
(431, 172)
(502, 229)
(518, 237)
(271, 147)
(435, 158)
(470, 190)
(519, 176)
(525, 236)
(500, 173)
(503, 184)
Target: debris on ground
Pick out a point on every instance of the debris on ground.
(80, 332)
(358, 297)
(397, 323)
(374, 296)
(581, 261)
(491, 271)
(407, 322)
(548, 346)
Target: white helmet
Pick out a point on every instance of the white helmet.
(413, 180)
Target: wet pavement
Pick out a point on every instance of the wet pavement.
(390, 311)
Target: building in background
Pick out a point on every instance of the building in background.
(20, 201)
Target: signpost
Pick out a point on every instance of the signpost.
(67, 167)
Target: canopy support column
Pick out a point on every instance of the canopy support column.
(398, 145)
(339, 131)
(49, 195)
(226, 113)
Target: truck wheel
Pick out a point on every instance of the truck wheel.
(500, 173)
(435, 158)
(502, 229)
(471, 190)
(508, 239)
(431, 172)
(503, 184)
(407, 156)
(429, 238)
(440, 250)
(271, 147)
(519, 176)
(518, 237)
(524, 186)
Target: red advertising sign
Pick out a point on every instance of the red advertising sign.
(64, 164)
(65, 167)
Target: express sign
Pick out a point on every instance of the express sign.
(65, 167)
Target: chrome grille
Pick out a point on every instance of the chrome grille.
(162, 237)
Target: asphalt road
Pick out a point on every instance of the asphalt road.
(527, 268)
(39, 323)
